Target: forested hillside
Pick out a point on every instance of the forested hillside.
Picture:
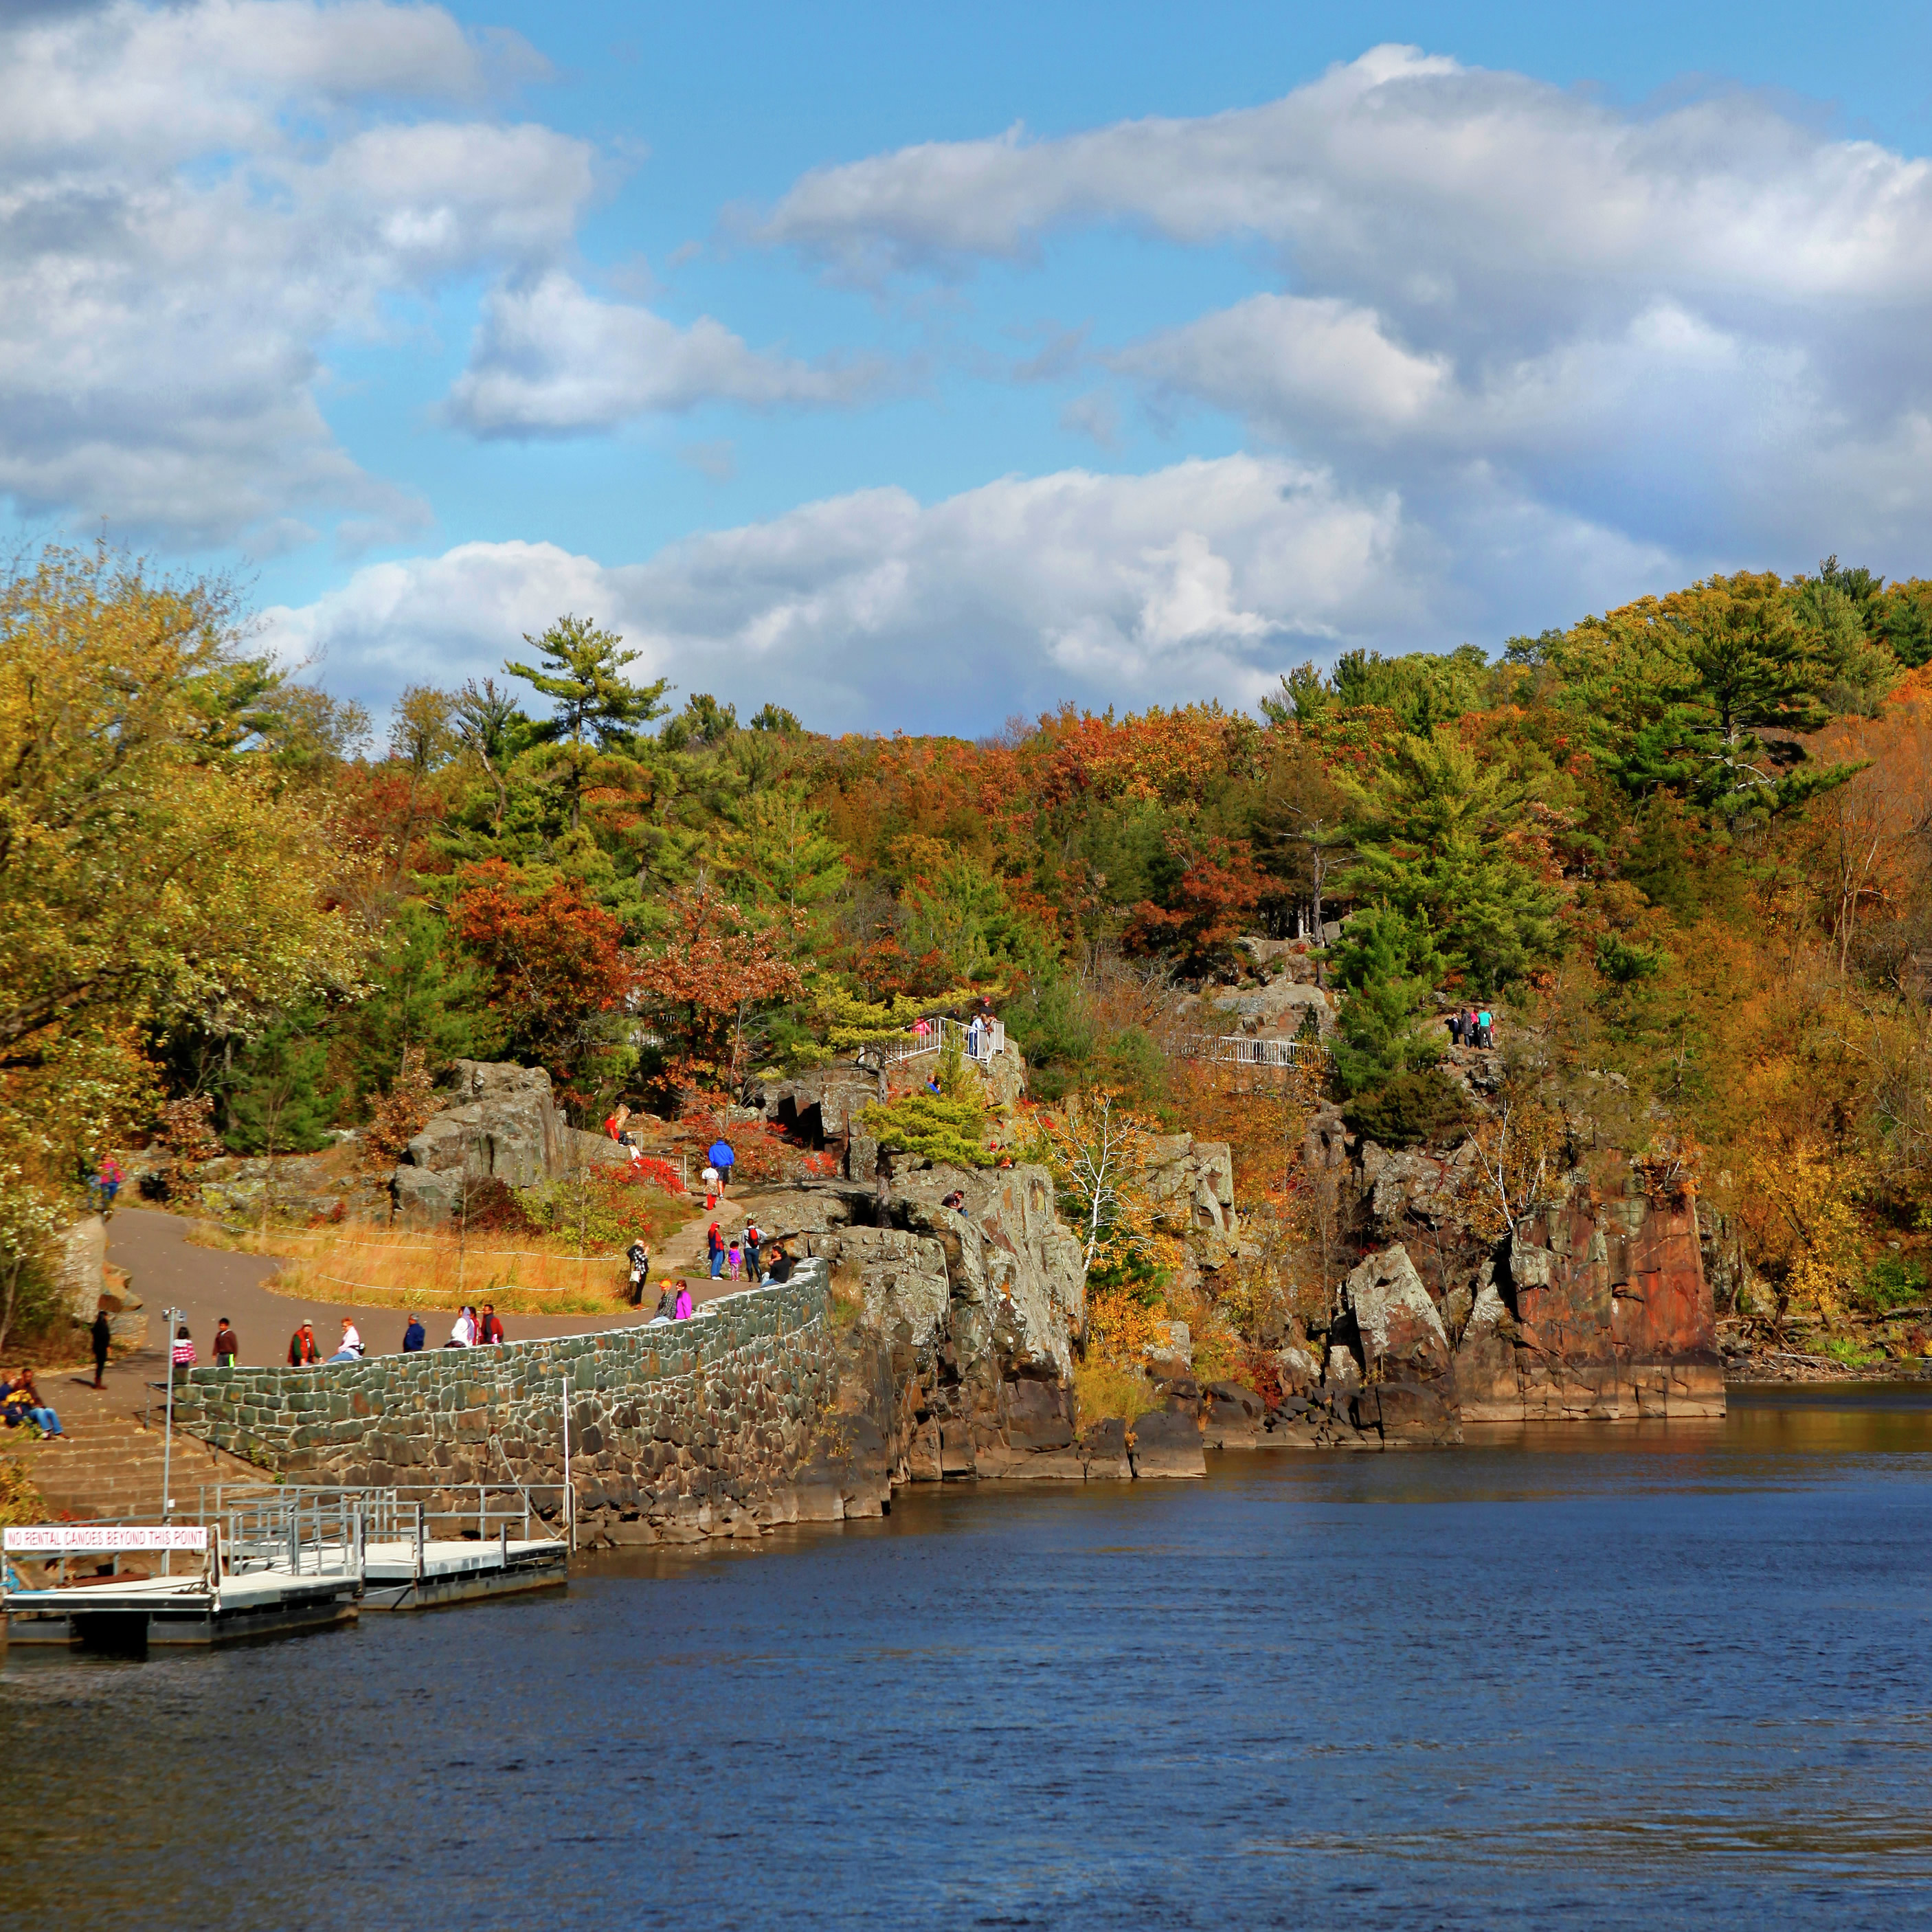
(1683, 849)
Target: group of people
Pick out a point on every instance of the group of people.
(1475, 1027)
(23, 1406)
(474, 1328)
(739, 1256)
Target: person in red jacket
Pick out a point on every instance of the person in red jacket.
(488, 1328)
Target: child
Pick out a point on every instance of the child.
(736, 1261)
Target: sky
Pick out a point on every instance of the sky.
(922, 367)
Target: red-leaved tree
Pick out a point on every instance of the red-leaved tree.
(710, 988)
(1209, 908)
(558, 973)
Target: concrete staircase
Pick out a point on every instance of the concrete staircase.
(108, 1466)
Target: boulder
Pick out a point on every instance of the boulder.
(1232, 1416)
(1399, 1331)
(1298, 1369)
(1103, 1451)
(1408, 1412)
(1166, 1444)
(1034, 1415)
(80, 1270)
(500, 1123)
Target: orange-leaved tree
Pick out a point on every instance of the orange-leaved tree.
(710, 990)
(559, 974)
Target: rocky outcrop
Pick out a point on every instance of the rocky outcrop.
(500, 1123)
(1192, 1183)
(1398, 1333)
(1613, 1314)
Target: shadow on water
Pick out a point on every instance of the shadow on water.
(1606, 1674)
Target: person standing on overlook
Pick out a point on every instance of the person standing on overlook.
(102, 1336)
(226, 1347)
(413, 1337)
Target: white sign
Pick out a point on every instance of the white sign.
(66, 1539)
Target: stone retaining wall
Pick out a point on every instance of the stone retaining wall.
(719, 1425)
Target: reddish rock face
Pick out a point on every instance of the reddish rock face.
(1613, 1313)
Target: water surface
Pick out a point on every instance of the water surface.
(1596, 1675)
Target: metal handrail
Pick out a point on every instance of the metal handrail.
(992, 1040)
(1246, 1050)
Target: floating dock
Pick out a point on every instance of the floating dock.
(267, 1560)
(206, 1604)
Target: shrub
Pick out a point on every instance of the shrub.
(1893, 1282)
(1103, 1388)
(1427, 1105)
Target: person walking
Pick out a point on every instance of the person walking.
(413, 1336)
(102, 1336)
(1485, 1030)
(227, 1348)
(710, 1179)
(108, 1181)
(462, 1332)
(724, 1159)
(489, 1329)
(302, 1349)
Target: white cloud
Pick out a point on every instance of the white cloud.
(197, 201)
(551, 360)
(871, 611)
(1412, 173)
(1705, 328)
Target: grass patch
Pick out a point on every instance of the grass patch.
(1102, 1388)
(847, 1303)
(1850, 1353)
(378, 1268)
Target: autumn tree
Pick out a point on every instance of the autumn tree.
(709, 989)
(558, 978)
(419, 738)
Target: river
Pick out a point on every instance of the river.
(1655, 1675)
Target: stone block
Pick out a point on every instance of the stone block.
(1166, 1444)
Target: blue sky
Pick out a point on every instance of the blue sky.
(919, 366)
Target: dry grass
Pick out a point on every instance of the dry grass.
(377, 1267)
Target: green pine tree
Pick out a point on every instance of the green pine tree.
(277, 1097)
(422, 993)
(948, 1128)
(1389, 965)
(583, 674)
(1433, 830)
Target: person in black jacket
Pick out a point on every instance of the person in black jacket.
(100, 1334)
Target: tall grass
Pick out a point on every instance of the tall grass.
(376, 1268)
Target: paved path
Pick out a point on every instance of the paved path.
(207, 1283)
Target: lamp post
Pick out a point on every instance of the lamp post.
(171, 1318)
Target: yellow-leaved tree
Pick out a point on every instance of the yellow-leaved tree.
(156, 863)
